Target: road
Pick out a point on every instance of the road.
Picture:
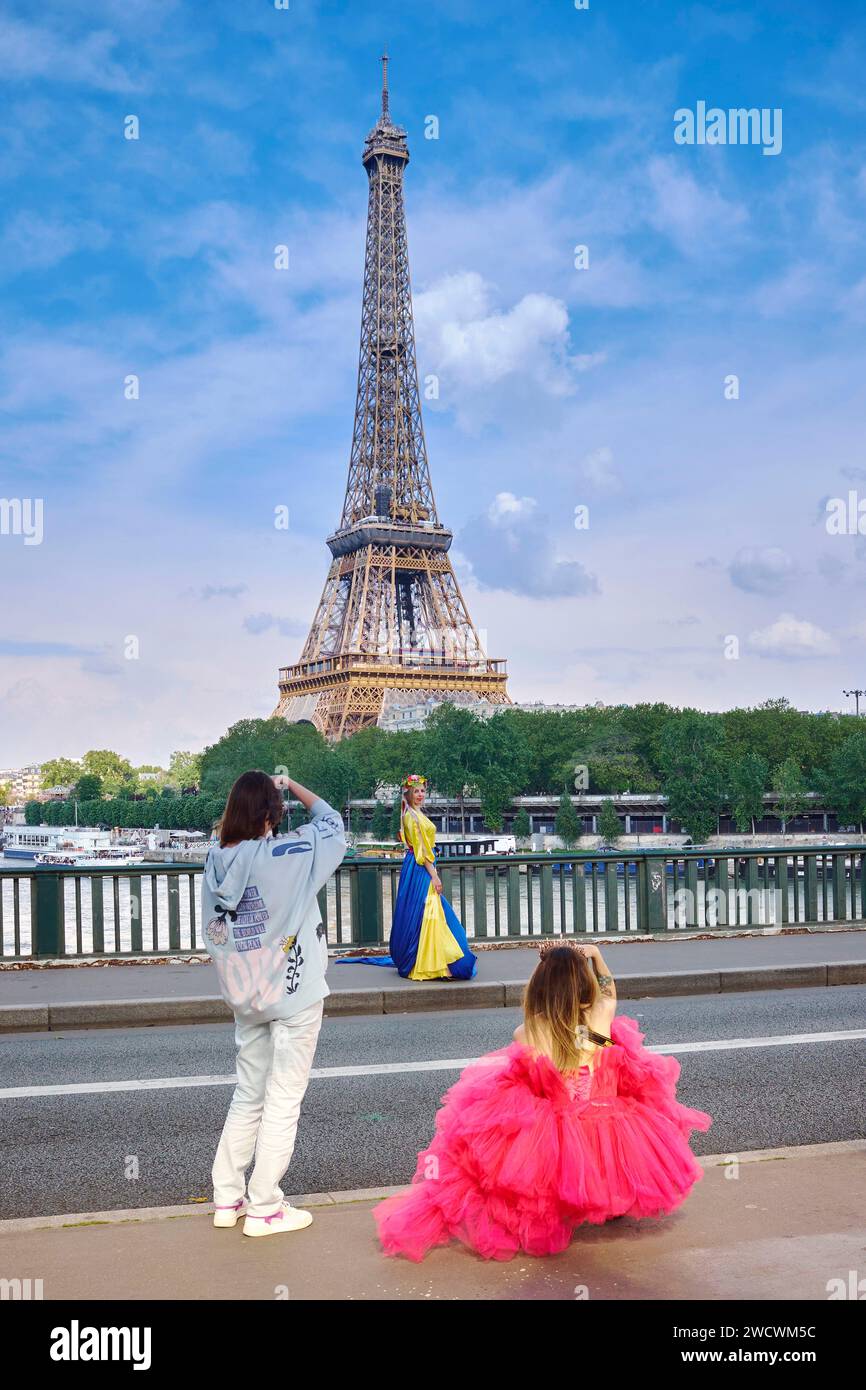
(111, 1149)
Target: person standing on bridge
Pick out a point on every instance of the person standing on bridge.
(427, 939)
(575, 1121)
(265, 934)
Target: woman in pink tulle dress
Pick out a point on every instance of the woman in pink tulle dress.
(574, 1121)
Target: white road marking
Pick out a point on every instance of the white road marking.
(163, 1083)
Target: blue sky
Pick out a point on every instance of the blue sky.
(559, 387)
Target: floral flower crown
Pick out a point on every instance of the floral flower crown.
(553, 943)
(414, 779)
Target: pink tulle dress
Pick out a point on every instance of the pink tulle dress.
(523, 1154)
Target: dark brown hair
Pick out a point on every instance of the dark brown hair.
(561, 992)
(254, 804)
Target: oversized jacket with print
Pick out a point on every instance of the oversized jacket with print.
(262, 923)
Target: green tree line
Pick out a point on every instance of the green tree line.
(704, 763)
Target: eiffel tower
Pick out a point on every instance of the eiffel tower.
(392, 626)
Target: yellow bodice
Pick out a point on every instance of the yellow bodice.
(419, 835)
(437, 945)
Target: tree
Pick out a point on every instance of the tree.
(453, 752)
(501, 768)
(272, 745)
(356, 820)
(610, 752)
(150, 778)
(690, 757)
(88, 788)
(333, 774)
(609, 824)
(381, 820)
(748, 782)
(790, 788)
(618, 773)
(60, 772)
(548, 739)
(645, 724)
(396, 816)
(184, 769)
(112, 770)
(5, 793)
(566, 824)
(775, 731)
(843, 782)
(522, 825)
(366, 753)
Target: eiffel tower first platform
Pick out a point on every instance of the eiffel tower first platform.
(392, 627)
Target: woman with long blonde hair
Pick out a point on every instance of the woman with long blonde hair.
(575, 1121)
(427, 939)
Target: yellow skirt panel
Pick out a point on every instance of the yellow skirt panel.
(437, 944)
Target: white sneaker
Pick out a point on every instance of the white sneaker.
(229, 1216)
(288, 1218)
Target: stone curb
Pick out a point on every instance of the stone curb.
(68, 1221)
(422, 998)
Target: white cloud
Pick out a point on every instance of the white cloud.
(505, 507)
(510, 547)
(597, 469)
(27, 52)
(33, 242)
(472, 343)
(697, 218)
(765, 570)
(264, 622)
(792, 638)
(222, 591)
(799, 285)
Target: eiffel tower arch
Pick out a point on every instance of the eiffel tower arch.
(392, 626)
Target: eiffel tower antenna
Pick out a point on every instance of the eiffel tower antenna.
(392, 627)
(385, 113)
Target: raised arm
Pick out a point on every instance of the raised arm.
(322, 839)
(300, 793)
(606, 982)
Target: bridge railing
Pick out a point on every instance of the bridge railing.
(65, 912)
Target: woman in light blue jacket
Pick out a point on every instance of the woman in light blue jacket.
(269, 945)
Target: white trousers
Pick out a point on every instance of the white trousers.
(274, 1063)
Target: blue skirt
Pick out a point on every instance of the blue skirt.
(413, 888)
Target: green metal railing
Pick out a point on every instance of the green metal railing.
(52, 913)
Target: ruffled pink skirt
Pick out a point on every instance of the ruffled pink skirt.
(522, 1155)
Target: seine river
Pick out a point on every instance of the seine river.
(153, 908)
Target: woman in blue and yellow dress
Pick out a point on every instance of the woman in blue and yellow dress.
(427, 940)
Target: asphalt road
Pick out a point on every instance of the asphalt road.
(72, 1153)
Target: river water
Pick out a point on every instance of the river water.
(153, 909)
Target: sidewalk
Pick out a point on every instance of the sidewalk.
(171, 990)
(789, 1223)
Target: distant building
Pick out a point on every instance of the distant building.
(55, 794)
(25, 783)
(407, 716)
(397, 717)
(540, 707)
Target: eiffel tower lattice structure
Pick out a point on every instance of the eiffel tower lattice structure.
(392, 627)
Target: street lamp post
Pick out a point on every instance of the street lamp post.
(856, 694)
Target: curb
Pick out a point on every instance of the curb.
(422, 998)
(133, 1215)
(479, 944)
